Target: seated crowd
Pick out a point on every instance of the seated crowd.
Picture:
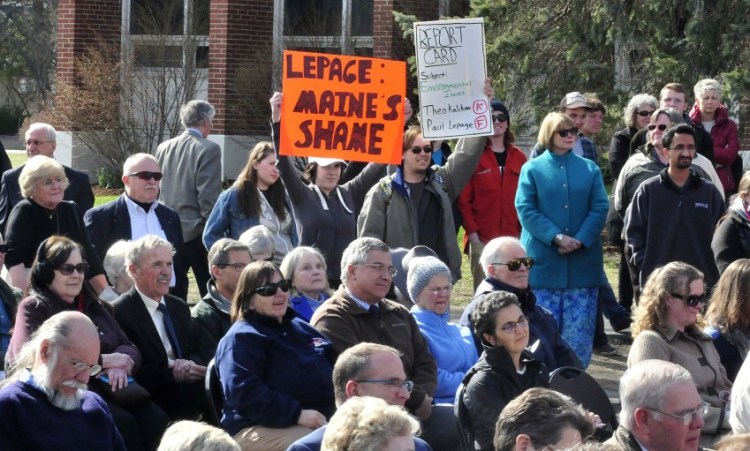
(325, 317)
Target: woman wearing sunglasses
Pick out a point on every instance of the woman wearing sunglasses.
(506, 368)
(275, 369)
(728, 316)
(636, 117)
(562, 206)
(57, 285)
(41, 214)
(257, 197)
(667, 326)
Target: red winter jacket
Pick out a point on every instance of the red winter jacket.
(487, 203)
(726, 144)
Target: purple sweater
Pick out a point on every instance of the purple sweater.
(30, 422)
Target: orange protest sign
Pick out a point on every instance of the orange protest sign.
(338, 106)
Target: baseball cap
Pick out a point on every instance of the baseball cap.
(325, 161)
(574, 100)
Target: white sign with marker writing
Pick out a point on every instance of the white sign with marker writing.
(451, 69)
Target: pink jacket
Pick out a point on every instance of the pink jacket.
(726, 144)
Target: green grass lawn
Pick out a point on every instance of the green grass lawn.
(17, 159)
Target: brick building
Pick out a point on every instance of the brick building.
(239, 46)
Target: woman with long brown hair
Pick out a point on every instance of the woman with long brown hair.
(257, 197)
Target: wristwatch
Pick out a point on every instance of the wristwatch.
(558, 239)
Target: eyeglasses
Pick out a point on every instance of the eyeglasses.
(681, 147)
(439, 290)
(499, 118)
(515, 264)
(511, 326)
(394, 384)
(67, 269)
(147, 175)
(692, 300)
(417, 150)
(269, 289)
(35, 142)
(661, 127)
(564, 133)
(644, 113)
(238, 267)
(687, 418)
(49, 181)
(80, 367)
(379, 267)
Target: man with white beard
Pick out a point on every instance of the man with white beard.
(44, 403)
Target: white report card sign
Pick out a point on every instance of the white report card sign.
(451, 70)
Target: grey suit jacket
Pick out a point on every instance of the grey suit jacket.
(192, 181)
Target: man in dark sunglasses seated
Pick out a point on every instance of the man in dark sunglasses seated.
(507, 267)
(159, 324)
(137, 213)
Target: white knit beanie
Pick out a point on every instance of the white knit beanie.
(421, 270)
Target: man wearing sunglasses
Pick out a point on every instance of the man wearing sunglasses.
(41, 139)
(159, 324)
(507, 267)
(673, 215)
(661, 409)
(414, 205)
(44, 403)
(194, 185)
(137, 213)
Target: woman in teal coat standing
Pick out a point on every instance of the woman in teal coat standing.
(562, 206)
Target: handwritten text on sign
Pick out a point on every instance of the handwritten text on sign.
(451, 68)
(345, 107)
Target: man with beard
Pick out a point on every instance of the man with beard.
(507, 267)
(673, 215)
(44, 403)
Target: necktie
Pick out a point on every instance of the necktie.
(374, 311)
(171, 333)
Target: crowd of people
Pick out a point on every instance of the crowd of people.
(325, 317)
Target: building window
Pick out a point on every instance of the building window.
(167, 33)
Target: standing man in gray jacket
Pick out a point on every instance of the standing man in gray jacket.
(192, 192)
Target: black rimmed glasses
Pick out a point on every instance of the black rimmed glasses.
(564, 133)
(394, 383)
(381, 268)
(687, 418)
(269, 289)
(661, 127)
(147, 175)
(515, 264)
(238, 267)
(417, 150)
(67, 269)
(691, 300)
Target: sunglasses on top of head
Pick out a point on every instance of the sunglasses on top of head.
(270, 288)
